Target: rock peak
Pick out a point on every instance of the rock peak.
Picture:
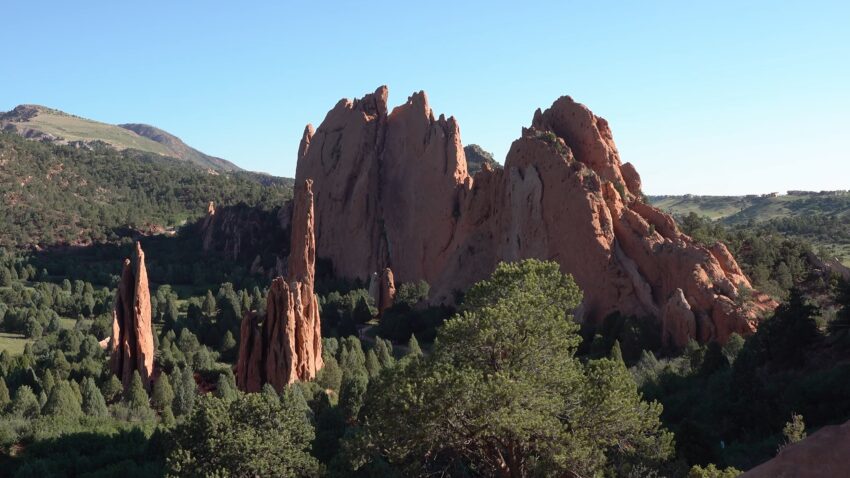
(287, 346)
(132, 345)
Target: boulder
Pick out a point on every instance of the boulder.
(132, 343)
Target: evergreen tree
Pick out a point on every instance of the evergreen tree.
(373, 367)
(225, 388)
(185, 390)
(136, 397)
(47, 382)
(228, 343)
(5, 400)
(111, 388)
(93, 403)
(269, 393)
(362, 312)
(251, 436)
(384, 351)
(330, 376)
(351, 395)
(504, 394)
(62, 401)
(25, 403)
(163, 395)
(209, 306)
(413, 347)
(616, 353)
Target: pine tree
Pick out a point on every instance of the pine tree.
(47, 382)
(136, 397)
(93, 402)
(25, 404)
(225, 388)
(330, 376)
(384, 351)
(163, 394)
(413, 347)
(5, 400)
(62, 401)
(270, 394)
(209, 306)
(185, 390)
(616, 352)
(373, 367)
(111, 388)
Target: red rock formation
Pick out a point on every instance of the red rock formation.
(242, 232)
(386, 293)
(287, 345)
(392, 190)
(821, 455)
(132, 346)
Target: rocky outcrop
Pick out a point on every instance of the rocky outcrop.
(821, 455)
(678, 324)
(132, 343)
(392, 190)
(285, 346)
(386, 293)
(241, 233)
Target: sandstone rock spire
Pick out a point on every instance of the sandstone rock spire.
(287, 345)
(132, 344)
(393, 190)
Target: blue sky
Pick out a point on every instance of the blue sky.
(703, 97)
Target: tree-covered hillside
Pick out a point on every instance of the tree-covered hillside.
(66, 195)
(821, 218)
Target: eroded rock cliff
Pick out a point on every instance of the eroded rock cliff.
(286, 345)
(392, 190)
(132, 345)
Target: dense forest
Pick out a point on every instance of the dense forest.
(414, 392)
(55, 195)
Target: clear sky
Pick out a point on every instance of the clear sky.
(703, 97)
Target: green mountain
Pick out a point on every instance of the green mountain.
(57, 127)
(56, 194)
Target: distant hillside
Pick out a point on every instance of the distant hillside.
(58, 194)
(53, 126)
(757, 208)
(822, 218)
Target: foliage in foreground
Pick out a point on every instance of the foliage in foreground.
(504, 395)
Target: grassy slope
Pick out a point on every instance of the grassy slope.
(73, 128)
(742, 209)
(68, 128)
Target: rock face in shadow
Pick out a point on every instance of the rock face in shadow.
(132, 345)
(821, 455)
(392, 190)
(286, 345)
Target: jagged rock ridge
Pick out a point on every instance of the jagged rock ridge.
(392, 190)
(132, 346)
(286, 345)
